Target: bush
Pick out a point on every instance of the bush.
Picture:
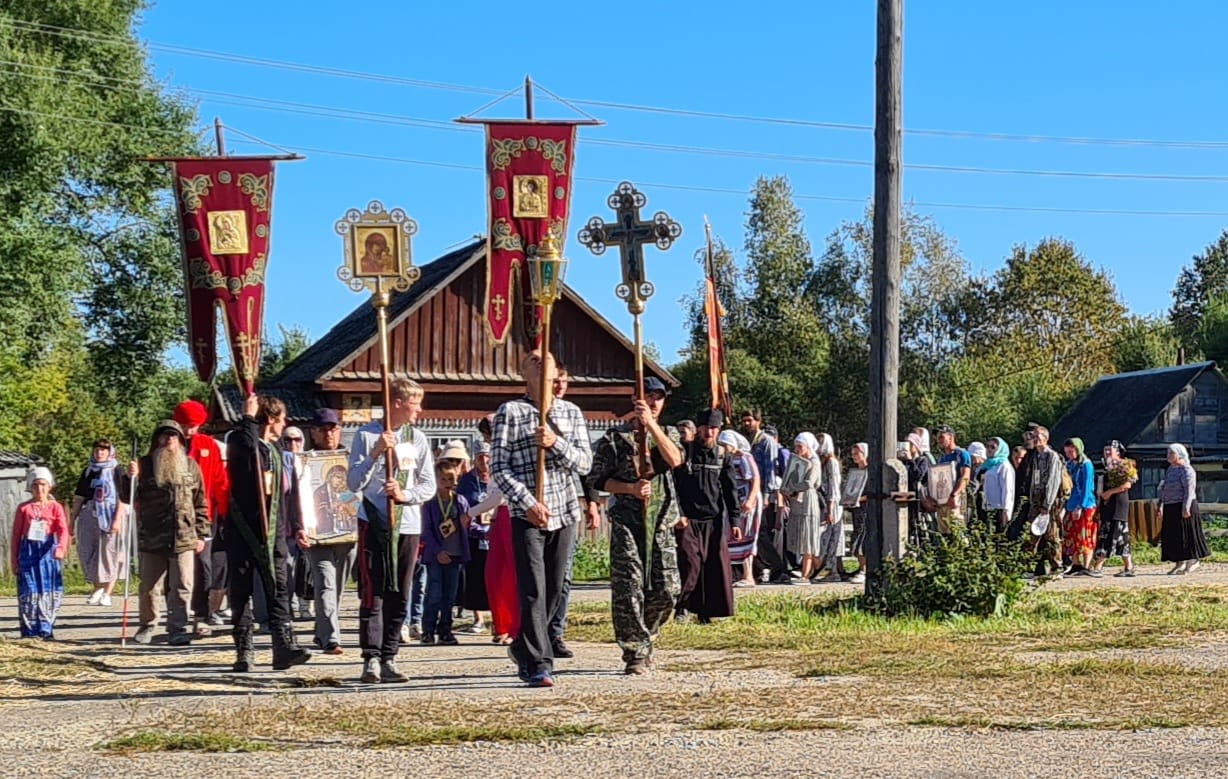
(977, 573)
(592, 562)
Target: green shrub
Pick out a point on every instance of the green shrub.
(977, 573)
(592, 562)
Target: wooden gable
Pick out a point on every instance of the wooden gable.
(441, 342)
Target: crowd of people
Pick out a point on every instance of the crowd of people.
(694, 511)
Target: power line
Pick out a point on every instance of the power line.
(334, 112)
(49, 29)
(658, 185)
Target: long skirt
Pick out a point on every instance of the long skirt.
(747, 545)
(40, 588)
(703, 557)
(804, 534)
(473, 597)
(101, 554)
(1181, 538)
(831, 545)
(501, 586)
(1079, 532)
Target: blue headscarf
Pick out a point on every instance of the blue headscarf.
(106, 499)
(999, 455)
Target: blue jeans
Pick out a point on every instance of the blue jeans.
(417, 594)
(441, 584)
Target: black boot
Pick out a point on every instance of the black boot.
(245, 651)
(286, 651)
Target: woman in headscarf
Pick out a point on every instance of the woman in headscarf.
(921, 523)
(39, 543)
(1181, 538)
(853, 500)
(978, 453)
(744, 532)
(1120, 475)
(1079, 526)
(998, 484)
(922, 442)
(99, 518)
(801, 485)
(831, 542)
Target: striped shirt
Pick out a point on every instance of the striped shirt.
(514, 458)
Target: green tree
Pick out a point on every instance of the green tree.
(87, 253)
(1212, 332)
(1200, 282)
(1145, 342)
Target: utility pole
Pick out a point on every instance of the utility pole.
(885, 280)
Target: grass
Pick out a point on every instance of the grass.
(414, 736)
(991, 723)
(156, 741)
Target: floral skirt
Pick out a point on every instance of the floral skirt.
(1079, 530)
(1114, 539)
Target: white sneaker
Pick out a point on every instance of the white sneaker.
(1192, 565)
(105, 601)
(96, 597)
(405, 634)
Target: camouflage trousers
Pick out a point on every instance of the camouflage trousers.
(638, 613)
(1047, 547)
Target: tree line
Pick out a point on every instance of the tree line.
(985, 353)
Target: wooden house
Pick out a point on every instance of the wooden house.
(438, 338)
(1148, 410)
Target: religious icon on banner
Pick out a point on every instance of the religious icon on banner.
(333, 514)
(227, 232)
(356, 409)
(376, 247)
(942, 482)
(377, 250)
(529, 198)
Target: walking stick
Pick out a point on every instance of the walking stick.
(127, 544)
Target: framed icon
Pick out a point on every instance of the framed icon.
(333, 514)
(376, 251)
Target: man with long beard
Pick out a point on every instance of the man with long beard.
(172, 525)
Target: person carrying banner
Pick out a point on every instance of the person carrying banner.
(264, 512)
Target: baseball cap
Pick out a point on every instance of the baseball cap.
(653, 384)
(325, 416)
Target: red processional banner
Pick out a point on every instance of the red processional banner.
(224, 217)
(718, 379)
(528, 184)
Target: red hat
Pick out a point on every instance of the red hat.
(191, 413)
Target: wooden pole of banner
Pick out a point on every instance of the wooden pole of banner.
(885, 280)
(217, 135)
(545, 393)
(380, 300)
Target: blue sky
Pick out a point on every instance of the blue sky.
(1125, 70)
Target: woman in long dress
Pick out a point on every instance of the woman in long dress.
(745, 530)
(831, 541)
(801, 486)
(1120, 474)
(99, 518)
(1181, 538)
(39, 543)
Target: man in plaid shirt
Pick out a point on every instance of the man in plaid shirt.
(542, 533)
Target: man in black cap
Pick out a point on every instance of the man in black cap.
(325, 430)
(708, 498)
(172, 525)
(643, 510)
(1023, 477)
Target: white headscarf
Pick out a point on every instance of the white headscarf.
(826, 447)
(810, 441)
(728, 438)
(862, 447)
(1182, 453)
(39, 473)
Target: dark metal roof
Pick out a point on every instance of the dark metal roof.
(301, 404)
(1121, 406)
(17, 459)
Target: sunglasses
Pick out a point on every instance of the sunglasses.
(292, 440)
